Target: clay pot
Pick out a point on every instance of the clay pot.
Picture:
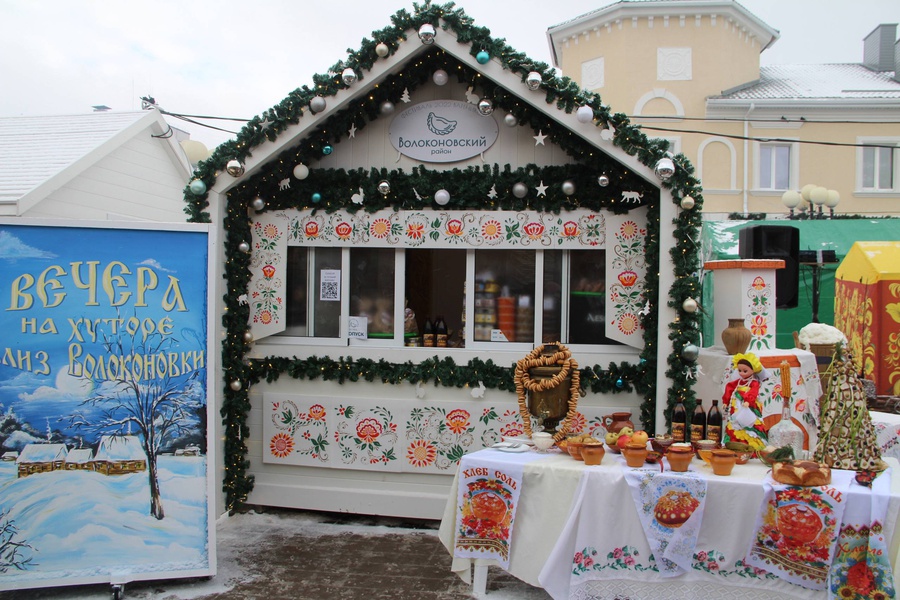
(617, 421)
(661, 442)
(574, 449)
(703, 445)
(679, 458)
(592, 453)
(723, 461)
(736, 336)
(635, 454)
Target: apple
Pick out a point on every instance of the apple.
(640, 437)
(611, 438)
(623, 441)
(626, 431)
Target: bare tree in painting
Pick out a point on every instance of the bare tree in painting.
(160, 408)
(12, 551)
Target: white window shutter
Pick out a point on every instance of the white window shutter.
(626, 272)
(268, 274)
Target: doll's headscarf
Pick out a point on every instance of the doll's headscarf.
(750, 359)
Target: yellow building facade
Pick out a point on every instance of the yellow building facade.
(689, 71)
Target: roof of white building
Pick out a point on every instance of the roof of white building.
(127, 447)
(34, 453)
(846, 81)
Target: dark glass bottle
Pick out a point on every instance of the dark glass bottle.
(428, 335)
(440, 333)
(679, 422)
(714, 423)
(698, 422)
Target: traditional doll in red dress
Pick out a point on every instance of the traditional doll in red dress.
(743, 411)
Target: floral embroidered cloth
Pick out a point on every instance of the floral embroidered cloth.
(487, 498)
(797, 529)
(670, 507)
(861, 568)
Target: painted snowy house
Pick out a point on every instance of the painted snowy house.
(101, 166)
(41, 458)
(119, 455)
(189, 450)
(435, 172)
(11, 455)
(79, 459)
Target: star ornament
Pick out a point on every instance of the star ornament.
(541, 189)
(539, 138)
(352, 131)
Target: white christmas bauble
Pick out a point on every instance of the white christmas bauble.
(584, 114)
(317, 104)
(197, 187)
(485, 106)
(348, 76)
(568, 188)
(690, 305)
(426, 33)
(690, 352)
(511, 120)
(301, 171)
(665, 168)
(440, 77)
(442, 197)
(236, 385)
(248, 337)
(244, 247)
(533, 81)
(382, 49)
(234, 168)
(387, 107)
(258, 204)
(520, 190)
(687, 203)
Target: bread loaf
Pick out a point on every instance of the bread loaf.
(801, 472)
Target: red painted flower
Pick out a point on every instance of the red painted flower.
(628, 278)
(265, 317)
(491, 229)
(628, 230)
(268, 271)
(759, 326)
(454, 227)
(343, 230)
(311, 229)
(316, 412)
(368, 430)
(421, 453)
(415, 231)
(281, 445)
(458, 420)
(570, 228)
(534, 230)
(861, 578)
(628, 323)
(577, 423)
(270, 231)
(380, 228)
(512, 430)
(758, 284)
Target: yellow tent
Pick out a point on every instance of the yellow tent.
(867, 310)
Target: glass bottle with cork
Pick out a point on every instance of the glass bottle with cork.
(679, 422)
(698, 422)
(714, 422)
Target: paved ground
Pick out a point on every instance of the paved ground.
(273, 554)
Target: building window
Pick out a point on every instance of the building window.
(879, 167)
(313, 299)
(774, 166)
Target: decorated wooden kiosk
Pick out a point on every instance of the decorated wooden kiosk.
(399, 232)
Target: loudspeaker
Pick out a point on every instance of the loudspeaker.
(778, 242)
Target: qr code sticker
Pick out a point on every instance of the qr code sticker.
(330, 290)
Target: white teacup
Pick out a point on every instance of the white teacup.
(542, 440)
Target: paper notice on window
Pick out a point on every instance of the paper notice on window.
(497, 335)
(330, 285)
(358, 328)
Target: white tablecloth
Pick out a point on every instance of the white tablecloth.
(887, 430)
(546, 521)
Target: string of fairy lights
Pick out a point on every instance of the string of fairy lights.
(593, 180)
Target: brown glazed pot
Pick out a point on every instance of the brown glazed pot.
(635, 454)
(722, 461)
(736, 336)
(593, 453)
(679, 457)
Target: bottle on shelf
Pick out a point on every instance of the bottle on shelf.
(440, 332)
(679, 422)
(698, 422)
(785, 432)
(714, 423)
(428, 334)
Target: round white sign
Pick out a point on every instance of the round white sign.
(442, 131)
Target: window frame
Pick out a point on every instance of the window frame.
(793, 166)
(872, 142)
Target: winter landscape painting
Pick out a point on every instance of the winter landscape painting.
(104, 404)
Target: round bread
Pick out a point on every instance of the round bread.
(674, 508)
(801, 472)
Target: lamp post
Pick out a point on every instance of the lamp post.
(832, 201)
(819, 196)
(812, 196)
(791, 200)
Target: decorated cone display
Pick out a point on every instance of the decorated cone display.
(846, 435)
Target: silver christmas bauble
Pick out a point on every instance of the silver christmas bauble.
(603, 180)
(510, 120)
(690, 305)
(440, 77)
(258, 204)
(317, 104)
(234, 167)
(382, 49)
(568, 188)
(348, 76)
(197, 187)
(236, 385)
(584, 114)
(244, 247)
(485, 106)
(533, 81)
(442, 197)
(387, 107)
(427, 33)
(301, 171)
(248, 337)
(520, 190)
(384, 187)
(687, 203)
(690, 352)
(665, 168)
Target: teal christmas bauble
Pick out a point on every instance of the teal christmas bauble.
(483, 57)
(317, 197)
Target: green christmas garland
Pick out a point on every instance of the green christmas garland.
(469, 189)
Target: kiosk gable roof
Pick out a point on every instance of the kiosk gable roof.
(871, 262)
